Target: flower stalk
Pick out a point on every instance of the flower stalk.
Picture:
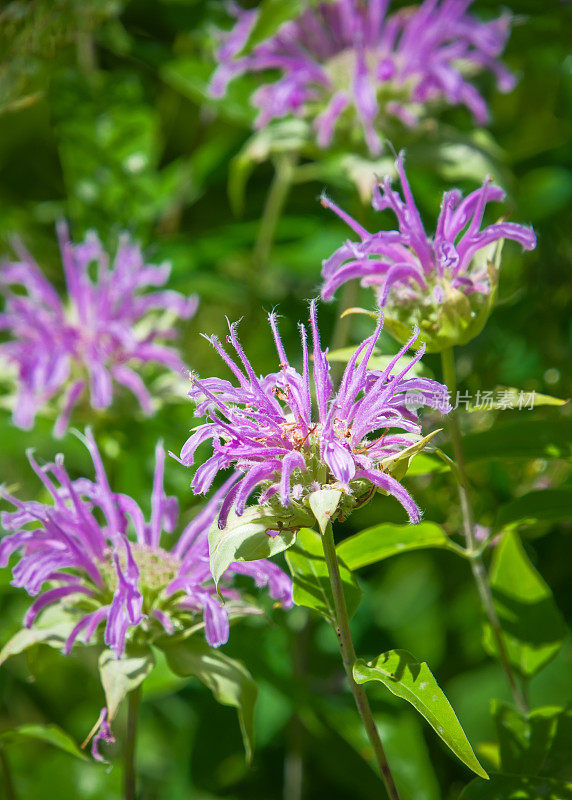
(348, 654)
(478, 568)
(283, 176)
(130, 776)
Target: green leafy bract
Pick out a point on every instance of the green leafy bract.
(258, 533)
(119, 676)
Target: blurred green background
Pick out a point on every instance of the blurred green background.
(104, 121)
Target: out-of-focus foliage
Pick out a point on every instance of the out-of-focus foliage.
(105, 121)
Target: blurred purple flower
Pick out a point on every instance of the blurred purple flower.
(406, 266)
(92, 337)
(351, 56)
(77, 551)
(267, 430)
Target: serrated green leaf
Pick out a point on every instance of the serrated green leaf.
(502, 787)
(246, 538)
(532, 624)
(49, 734)
(229, 680)
(324, 503)
(543, 505)
(309, 570)
(119, 676)
(383, 541)
(412, 681)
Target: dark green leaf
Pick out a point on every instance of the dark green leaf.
(309, 571)
(119, 676)
(229, 680)
(501, 787)
(49, 734)
(382, 541)
(543, 505)
(532, 624)
(539, 744)
(528, 438)
(406, 678)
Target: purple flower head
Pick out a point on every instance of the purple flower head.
(109, 323)
(93, 551)
(350, 59)
(443, 283)
(291, 433)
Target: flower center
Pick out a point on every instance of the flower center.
(157, 567)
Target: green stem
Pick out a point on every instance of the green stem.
(349, 657)
(283, 176)
(477, 564)
(9, 790)
(129, 775)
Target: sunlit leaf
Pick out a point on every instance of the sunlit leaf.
(271, 15)
(48, 734)
(256, 534)
(309, 571)
(229, 680)
(386, 540)
(119, 676)
(532, 625)
(324, 503)
(412, 681)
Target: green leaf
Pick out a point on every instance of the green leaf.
(229, 680)
(271, 15)
(543, 505)
(256, 534)
(537, 744)
(532, 624)
(309, 571)
(52, 628)
(516, 398)
(383, 541)
(527, 438)
(414, 682)
(324, 503)
(49, 734)
(502, 787)
(119, 676)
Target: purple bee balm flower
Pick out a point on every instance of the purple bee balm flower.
(437, 283)
(287, 445)
(348, 59)
(107, 326)
(79, 551)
